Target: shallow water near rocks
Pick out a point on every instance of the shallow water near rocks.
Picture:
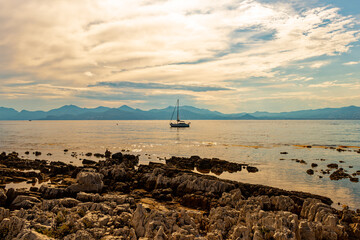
(255, 142)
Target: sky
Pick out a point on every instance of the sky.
(230, 55)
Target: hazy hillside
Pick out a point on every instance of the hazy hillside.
(72, 112)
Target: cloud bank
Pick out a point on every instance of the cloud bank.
(67, 49)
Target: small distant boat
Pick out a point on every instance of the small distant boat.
(179, 123)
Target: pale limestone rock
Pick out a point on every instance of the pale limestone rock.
(31, 235)
(87, 182)
(137, 220)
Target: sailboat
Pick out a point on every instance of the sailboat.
(179, 123)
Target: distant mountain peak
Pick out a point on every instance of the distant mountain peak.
(125, 107)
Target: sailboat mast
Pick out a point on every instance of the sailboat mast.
(178, 110)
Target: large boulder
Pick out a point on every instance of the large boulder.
(87, 181)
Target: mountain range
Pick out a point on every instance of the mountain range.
(72, 112)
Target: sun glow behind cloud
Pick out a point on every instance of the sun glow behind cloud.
(220, 47)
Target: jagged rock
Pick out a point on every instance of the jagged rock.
(11, 227)
(339, 174)
(51, 192)
(137, 221)
(31, 235)
(80, 235)
(23, 201)
(160, 235)
(3, 197)
(4, 213)
(89, 197)
(87, 182)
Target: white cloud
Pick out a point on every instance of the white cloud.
(66, 43)
(351, 63)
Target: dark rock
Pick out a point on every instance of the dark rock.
(3, 197)
(339, 174)
(107, 153)
(332, 165)
(27, 152)
(89, 154)
(283, 152)
(88, 162)
(195, 201)
(252, 169)
(303, 162)
(310, 171)
(354, 179)
(99, 155)
(66, 150)
(37, 153)
(117, 156)
(314, 165)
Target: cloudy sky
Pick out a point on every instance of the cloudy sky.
(229, 55)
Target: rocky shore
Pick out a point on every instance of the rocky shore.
(118, 199)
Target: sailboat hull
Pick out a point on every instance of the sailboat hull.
(179, 125)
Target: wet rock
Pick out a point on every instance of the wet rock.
(310, 172)
(99, 155)
(354, 179)
(87, 182)
(332, 165)
(339, 174)
(88, 162)
(252, 169)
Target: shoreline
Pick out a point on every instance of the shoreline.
(156, 197)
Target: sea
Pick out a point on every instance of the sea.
(255, 142)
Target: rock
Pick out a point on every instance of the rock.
(283, 152)
(354, 179)
(332, 165)
(31, 235)
(252, 169)
(305, 231)
(87, 182)
(339, 174)
(310, 172)
(51, 192)
(160, 235)
(3, 197)
(89, 154)
(4, 213)
(23, 201)
(88, 162)
(314, 165)
(99, 155)
(117, 156)
(137, 220)
(11, 227)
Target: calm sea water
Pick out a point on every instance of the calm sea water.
(255, 142)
